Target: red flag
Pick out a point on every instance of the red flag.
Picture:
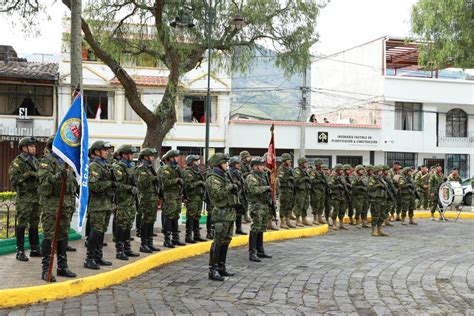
(270, 162)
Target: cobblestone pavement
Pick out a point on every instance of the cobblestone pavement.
(427, 269)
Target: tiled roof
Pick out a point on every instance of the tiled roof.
(151, 81)
(296, 123)
(18, 68)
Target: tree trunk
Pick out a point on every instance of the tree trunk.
(76, 45)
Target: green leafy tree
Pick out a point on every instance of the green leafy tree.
(447, 26)
(141, 28)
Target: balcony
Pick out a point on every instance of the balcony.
(456, 142)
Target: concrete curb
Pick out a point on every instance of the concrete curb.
(54, 291)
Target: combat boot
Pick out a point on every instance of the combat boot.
(315, 220)
(100, 254)
(283, 224)
(380, 232)
(92, 244)
(391, 218)
(412, 222)
(260, 250)
(292, 216)
(341, 224)
(273, 226)
(387, 223)
(398, 219)
(63, 269)
(119, 244)
(321, 219)
(375, 232)
(364, 223)
(222, 261)
(213, 262)
(167, 233)
(238, 225)
(305, 222)
(358, 224)
(334, 224)
(288, 223)
(70, 248)
(404, 223)
(46, 249)
(127, 249)
(150, 238)
(144, 239)
(175, 233)
(351, 221)
(298, 222)
(189, 231)
(197, 231)
(35, 250)
(20, 242)
(253, 247)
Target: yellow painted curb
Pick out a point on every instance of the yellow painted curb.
(427, 214)
(49, 292)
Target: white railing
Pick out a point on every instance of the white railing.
(446, 141)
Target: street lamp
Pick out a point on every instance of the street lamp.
(185, 21)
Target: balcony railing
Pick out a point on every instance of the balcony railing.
(458, 142)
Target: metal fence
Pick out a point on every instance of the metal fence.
(7, 219)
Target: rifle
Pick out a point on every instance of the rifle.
(239, 199)
(389, 192)
(346, 192)
(412, 188)
(180, 175)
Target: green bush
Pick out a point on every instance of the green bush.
(4, 196)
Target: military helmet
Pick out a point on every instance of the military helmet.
(406, 170)
(257, 161)
(25, 141)
(233, 160)
(286, 156)
(191, 158)
(359, 167)
(244, 154)
(148, 152)
(302, 160)
(386, 167)
(218, 158)
(378, 168)
(347, 167)
(318, 162)
(171, 154)
(49, 142)
(338, 167)
(100, 144)
(324, 167)
(369, 167)
(126, 149)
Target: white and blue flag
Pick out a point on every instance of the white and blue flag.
(71, 144)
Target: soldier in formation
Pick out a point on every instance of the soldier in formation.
(286, 189)
(236, 177)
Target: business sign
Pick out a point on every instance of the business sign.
(323, 137)
(355, 139)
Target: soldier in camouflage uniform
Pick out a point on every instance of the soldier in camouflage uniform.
(454, 176)
(318, 188)
(257, 189)
(23, 177)
(422, 181)
(126, 199)
(223, 196)
(302, 190)
(378, 196)
(172, 184)
(407, 193)
(435, 181)
(350, 207)
(360, 196)
(245, 169)
(194, 190)
(336, 186)
(390, 202)
(286, 190)
(327, 199)
(395, 173)
(147, 182)
(101, 186)
(51, 171)
(236, 177)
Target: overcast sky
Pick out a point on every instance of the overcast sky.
(342, 24)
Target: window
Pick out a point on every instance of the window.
(38, 100)
(194, 109)
(408, 116)
(327, 160)
(130, 115)
(349, 160)
(456, 123)
(460, 161)
(405, 159)
(105, 99)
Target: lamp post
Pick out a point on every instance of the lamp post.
(184, 21)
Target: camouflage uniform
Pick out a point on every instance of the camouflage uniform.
(172, 185)
(194, 189)
(407, 193)
(452, 177)
(336, 186)
(236, 177)
(126, 198)
(318, 188)
(360, 196)
(101, 186)
(223, 197)
(423, 186)
(148, 184)
(435, 181)
(378, 198)
(50, 176)
(327, 199)
(245, 169)
(23, 177)
(397, 207)
(286, 189)
(389, 203)
(350, 206)
(302, 188)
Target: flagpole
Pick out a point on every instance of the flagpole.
(58, 219)
(273, 177)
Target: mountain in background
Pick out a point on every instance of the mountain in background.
(264, 92)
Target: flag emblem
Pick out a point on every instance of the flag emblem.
(71, 132)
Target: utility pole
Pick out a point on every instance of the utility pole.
(76, 44)
(304, 115)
